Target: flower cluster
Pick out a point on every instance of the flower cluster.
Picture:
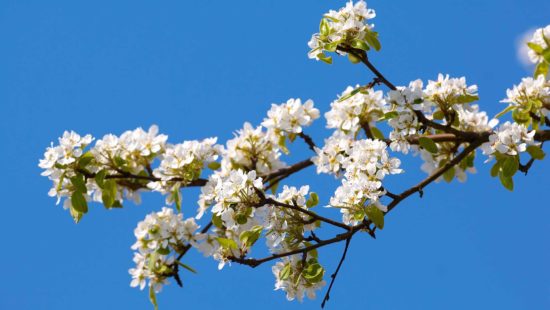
(402, 104)
(530, 97)
(231, 196)
(288, 119)
(354, 108)
(329, 159)
(540, 46)
(344, 28)
(285, 227)
(160, 236)
(447, 92)
(59, 165)
(508, 139)
(183, 163)
(366, 165)
(132, 151)
(299, 277)
(252, 149)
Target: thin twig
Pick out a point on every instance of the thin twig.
(335, 274)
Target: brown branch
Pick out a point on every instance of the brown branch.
(308, 140)
(282, 173)
(127, 175)
(333, 276)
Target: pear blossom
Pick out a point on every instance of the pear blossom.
(352, 110)
(531, 95)
(329, 159)
(509, 139)
(289, 118)
(541, 37)
(297, 278)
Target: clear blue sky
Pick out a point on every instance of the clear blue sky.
(202, 69)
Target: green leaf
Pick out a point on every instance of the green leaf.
(546, 54)
(508, 109)
(535, 47)
(536, 152)
(77, 216)
(108, 193)
(377, 134)
(274, 188)
(466, 98)
(324, 58)
(507, 182)
(449, 175)
(227, 243)
(176, 196)
(353, 59)
(313, 200)
(163, 251)
(153, 297)
(79, 183)
(389, 115)
(285, 272)
(351, 94)
(495, 169)
(100, 178)
(85, 159)
(360, 44)
(187, 267)
(217, 220)
(372, 40)
(438, 114)
(510, 166)
(214, 165)
(542, 68)
(324, 28)
(376, 216)
(313, 273)
(79, 203)
(428, 144)
(250, 237)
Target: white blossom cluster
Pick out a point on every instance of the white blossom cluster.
(286, 227)
(447, 91)
(541, 39)
(159, 237)
(508, 139)
(132, 151)
(531, 96)
(58, 158)
(353, 109)
(404, 101)
(288, 119)
(297, 278)
(184, 162)
(347, 26)
(366, 165)
(252, 149)
(329, 159)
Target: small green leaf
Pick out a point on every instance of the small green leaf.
(535, 47)
(372, 40)
(353, 59)
(227, 243)
(79, 183)
(85, 159)
(285, 272)
(495, 169)
(313, 200)
(248, 238)
(377, 134)
(324, 28)
(360, 44)
(466, 98)
(389, 115)
(508, 109)
(324, 58)
(351, 94)
(438, 114)
(217, 220)
(163, 251)
(449, 175)
(214, 165)
(79, 203)
(510, 166)
(176, 196)
(153, 297)
(100, 178)
(313, 273)
(536, 152)
(108, 193)
(428, 144)
(507, 182)
(542, 68)
(187, 267)
(376, 216)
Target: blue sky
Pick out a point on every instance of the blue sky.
(202, 68)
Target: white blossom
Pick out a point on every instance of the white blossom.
(329, 159)
(531, 95)
(296, 279)
(289, 118)
(509, 139)
(541, 37)
(349, 113)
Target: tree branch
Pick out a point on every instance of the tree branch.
(333, 276)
